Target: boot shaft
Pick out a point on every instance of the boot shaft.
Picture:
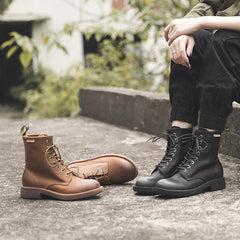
(43, 164)
(202, 159)
(35, 150)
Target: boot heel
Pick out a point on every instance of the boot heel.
(30, 193)
(217, 184)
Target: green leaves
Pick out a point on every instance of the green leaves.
(7, 43)
(61, 47)
(25, 58)
(11, 51)
(28, 48)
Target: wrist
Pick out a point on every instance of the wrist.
(202, 23)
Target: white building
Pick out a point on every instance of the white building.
(51, 16)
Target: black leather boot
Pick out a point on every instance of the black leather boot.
(201, 171)
(179, 141)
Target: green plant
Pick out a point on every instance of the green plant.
(28, 48)
(119, 61)
(114, 65)
(31, 80)
(4, 4)
(57, 97)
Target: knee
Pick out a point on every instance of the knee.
(202, 35)
(221, 35)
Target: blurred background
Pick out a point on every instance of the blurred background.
(51, 49)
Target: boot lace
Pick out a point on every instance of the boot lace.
(55, 157)
(91, 175)
(193, 153)
(171, 146)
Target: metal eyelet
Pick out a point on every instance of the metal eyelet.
(198, 152)
(167, 163)
(170, 159)
(173, 154)
(163, 167)
(67, 174)
(58, 166)
(192, 162)
(174, 134)
(184, 170)
(188, 166)
(63, 170)
(201, 136)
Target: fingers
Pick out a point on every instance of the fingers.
(172, 35)
(190, 46)
(179, 48)
(173, 53)
(166, 31)
(170, 32)
(183, 58)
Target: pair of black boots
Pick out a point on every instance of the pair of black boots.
(190, 165)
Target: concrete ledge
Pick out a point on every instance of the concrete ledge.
(146, 111)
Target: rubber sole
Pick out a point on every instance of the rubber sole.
(108, 155)
(39, 193)
(144, 190)
(213, 185)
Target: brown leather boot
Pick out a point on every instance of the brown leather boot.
(46, 174)
(106, 169)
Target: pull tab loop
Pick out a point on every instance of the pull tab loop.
(25, 128)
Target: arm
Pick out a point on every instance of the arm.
(230, 23)
(189, 26)
(178, 34)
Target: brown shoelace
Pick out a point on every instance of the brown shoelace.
(53, 154)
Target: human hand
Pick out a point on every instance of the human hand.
(180, 49)
(178, 27)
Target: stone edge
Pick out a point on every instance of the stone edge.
(146, 111)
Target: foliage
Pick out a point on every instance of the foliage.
(31, 80)
(115, 65)
(57, 97)
(118, 62)
(28, 48)
(4, 4)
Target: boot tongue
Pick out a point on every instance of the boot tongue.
(54, 155)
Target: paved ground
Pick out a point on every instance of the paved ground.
(117, 213)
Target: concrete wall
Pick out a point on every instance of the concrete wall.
(146, 111)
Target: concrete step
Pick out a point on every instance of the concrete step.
(147, 112)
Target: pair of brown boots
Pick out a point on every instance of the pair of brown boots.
(45, 173)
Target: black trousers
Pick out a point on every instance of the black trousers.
(213, 83)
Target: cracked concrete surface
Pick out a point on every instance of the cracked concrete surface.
(117, 213)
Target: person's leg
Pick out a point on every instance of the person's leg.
(219, 79)
(183, 93)
(184, 101)
(218, 85)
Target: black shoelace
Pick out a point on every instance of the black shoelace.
(171, 150)
(193, 153)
